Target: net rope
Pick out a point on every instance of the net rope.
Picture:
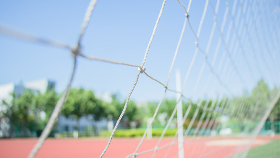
(244, 29)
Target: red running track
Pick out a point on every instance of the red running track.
(120, 147)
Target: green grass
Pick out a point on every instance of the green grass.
(269, 150)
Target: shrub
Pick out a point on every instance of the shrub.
(138, 133)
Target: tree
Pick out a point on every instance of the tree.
(250, 109)
(275, 112)
(80, 102)
(20, 112)
(167, 107)
(25, 110)
(115, 108)
(22, 108)
(44, 105)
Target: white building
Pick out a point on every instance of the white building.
(36, 86)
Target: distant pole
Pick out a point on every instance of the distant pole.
(179, 116)
(110, 123)
(150, 131)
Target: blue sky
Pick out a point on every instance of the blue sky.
(119, 31)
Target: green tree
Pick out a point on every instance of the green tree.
(275, 113)
(20, 112)
(131, 110)
(81, 102)
(24, 110)
(44, 103)
(250, 109)
(168, 106)
(21, 109)
(115, 108)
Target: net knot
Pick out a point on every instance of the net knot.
(76, 50)
(215, 18)
(134, 155)
(187, 15)
(205, 56)
(141, 69)
(196, 42)
(156, 148)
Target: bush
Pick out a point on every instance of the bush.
(138, 133)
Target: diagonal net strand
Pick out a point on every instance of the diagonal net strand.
(120, 117)
(171, 116)
(153, 34)
(54, 115)
(211, 35)
(196, 86)
(158, 148)
(243, 122)
(23, 36)
(109, 61)
(140, 71)
(86, 19)
(165, 86)
(75, 51)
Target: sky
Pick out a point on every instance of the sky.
(120, 31)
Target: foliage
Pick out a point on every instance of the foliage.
(115, 107)
(138, 133)
(80, 102)
(22, 108)
(251, 108)
(275, 113)
(28, 107)
(168, 106)
(45, 103)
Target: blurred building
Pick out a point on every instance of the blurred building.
(86, 124)
(37, 86)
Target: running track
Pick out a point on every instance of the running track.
(120, 147)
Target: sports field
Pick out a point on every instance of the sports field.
(121, 147)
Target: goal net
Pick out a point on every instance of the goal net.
(228, 56)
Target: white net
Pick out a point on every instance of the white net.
(237, 50)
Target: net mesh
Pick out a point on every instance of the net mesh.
(241, 48)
